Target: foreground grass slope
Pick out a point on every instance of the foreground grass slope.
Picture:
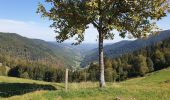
(155, 86)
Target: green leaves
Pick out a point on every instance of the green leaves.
(169, 10)
(72, 17)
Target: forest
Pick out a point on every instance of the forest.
(139, 63)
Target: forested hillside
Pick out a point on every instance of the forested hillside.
(155, 56)
(15, 49)
(125, 47)
(37, 59)
(26, 57)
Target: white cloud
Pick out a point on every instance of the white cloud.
(28, 29)
(35, 30)
(91, 35)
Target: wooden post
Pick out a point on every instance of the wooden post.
(85, 76)
(66, 80)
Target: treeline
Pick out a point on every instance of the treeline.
(43, 73)
(138, 63)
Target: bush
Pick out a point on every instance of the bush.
(14, 72)
(25, 75)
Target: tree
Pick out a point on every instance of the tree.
(108, 70)
(140, 65)
(48, 76)
(93, 72)
(159, 60)
(25, 75)
(150, 64)
(167, 57)
(72, 17)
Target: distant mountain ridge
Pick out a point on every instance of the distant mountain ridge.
(124, 47)
(82, 48)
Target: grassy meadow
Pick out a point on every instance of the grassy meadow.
(154, 86)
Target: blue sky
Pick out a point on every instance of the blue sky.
(19, 16)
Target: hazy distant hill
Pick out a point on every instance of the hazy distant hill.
(15, 47)
(82, 48)
(124, 47)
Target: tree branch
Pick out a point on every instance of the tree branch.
(95, 24)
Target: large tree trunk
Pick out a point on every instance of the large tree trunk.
(101, 60)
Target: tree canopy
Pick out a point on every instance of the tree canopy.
(72, 17)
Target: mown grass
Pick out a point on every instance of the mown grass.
(154, 86)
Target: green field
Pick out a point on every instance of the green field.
(155, 86)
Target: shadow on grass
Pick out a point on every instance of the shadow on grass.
(12, 89)
(167, 81)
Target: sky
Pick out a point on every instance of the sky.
(19, 16)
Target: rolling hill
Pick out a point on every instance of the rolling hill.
(125, 47)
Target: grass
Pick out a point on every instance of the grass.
(154, 86)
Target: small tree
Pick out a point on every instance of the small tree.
(150, 64)
(159, 60)
(25, 75)
(167, 57)
(140, 65)
(93, 72)
(72, 17)
(108, 70)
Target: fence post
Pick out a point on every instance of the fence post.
(85, 76)
(66, 80)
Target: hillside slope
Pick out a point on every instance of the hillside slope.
(16, 49)
(154, 86)
(125, 47)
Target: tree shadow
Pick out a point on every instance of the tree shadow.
(167, 81)
(12, 89)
